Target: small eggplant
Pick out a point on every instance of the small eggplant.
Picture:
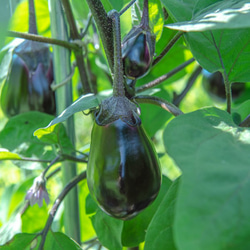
(123, 172)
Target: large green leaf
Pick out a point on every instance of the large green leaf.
(17, 137)
(223, 50)
(108, 230)
(134, 230)
(226, 49)
(20, 241)
(212, 208)
(230, 14)
(160, 230)
(180, 10)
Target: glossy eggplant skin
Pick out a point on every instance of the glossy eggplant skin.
(123, 172)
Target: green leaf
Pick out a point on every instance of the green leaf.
(180, 10)
(230, 14)
(19, 21)
(87, 230)
(4, 20)
(156, 17)
(6, 155)
(134, 230)
(152, 123)
(212, 51)
(10, 228)
(20, 241)
(59, 241)
(160, 229)
(83, 103)
(17, 136)
(108, 230)
(212, 208)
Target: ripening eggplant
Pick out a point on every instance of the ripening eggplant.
(138, 47)
(137, 54)
(123, 172)
(213, 83)
(27, 85)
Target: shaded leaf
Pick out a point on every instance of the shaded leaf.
(17, 136)
(160, 229)
(108, 230)
(212, 208)
(223, 50)
(134, 230)
(20, 241)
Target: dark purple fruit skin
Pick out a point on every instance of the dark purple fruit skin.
(28, 83)
(123, 172)
(214, 85)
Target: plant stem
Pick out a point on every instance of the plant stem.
(56, 205)
(118, 86)
(228, 91)
(127, 7)
(32, 18)
(42, 39)
(168, 47)
(78, 54)
(171, 108)
(50, 165)
(63, 100)
(190, 83)
(104, 26)
(145, 17)
(164, 77)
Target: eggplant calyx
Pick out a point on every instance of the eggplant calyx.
(118, 107)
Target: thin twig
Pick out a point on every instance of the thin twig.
(168, 47)
(42, 39)
(164, 77)
(84, 32)
(55, 86)
(126, 7)
(190, 83)
(171, 108)
(56, 205)
(32, 18)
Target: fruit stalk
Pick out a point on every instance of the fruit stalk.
(32, 18)
(118, 86)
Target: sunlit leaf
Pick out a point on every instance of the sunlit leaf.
(6, 155)
(212, 208)
(230, 14)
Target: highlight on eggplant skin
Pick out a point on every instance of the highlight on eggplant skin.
(123, 172)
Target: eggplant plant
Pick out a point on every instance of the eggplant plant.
(143, 156)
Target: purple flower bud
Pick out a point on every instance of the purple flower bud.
(38, 192)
